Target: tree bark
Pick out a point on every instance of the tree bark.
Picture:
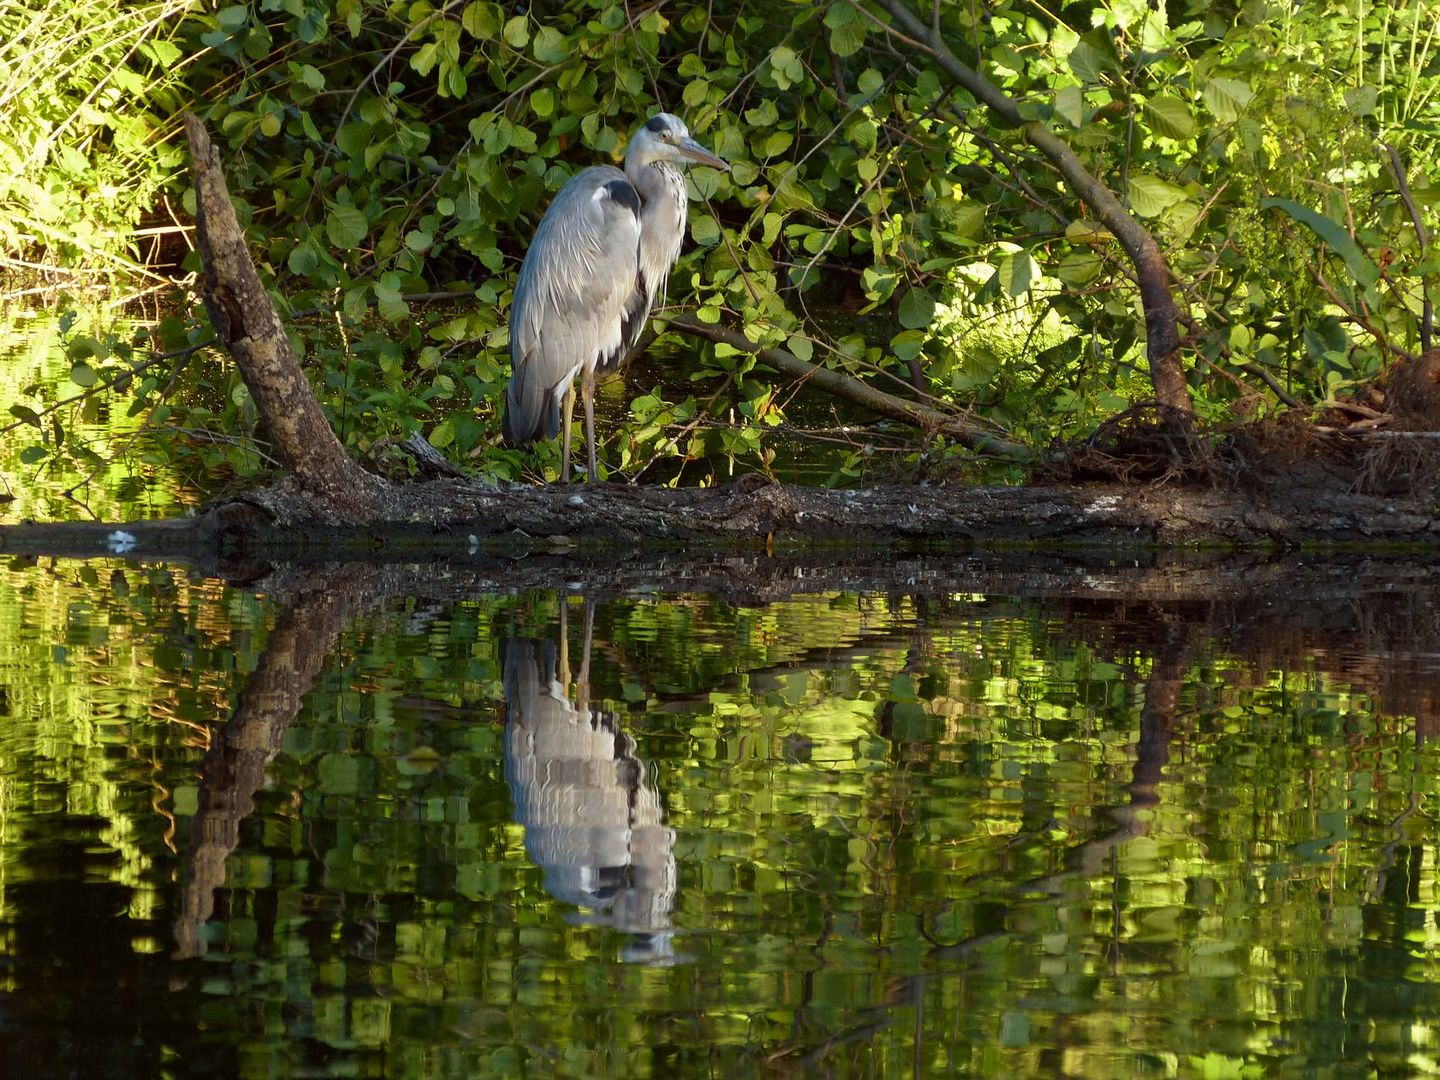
(246, 322)
(1162, 342)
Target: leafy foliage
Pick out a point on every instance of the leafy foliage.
(389, 160)
(83, 92)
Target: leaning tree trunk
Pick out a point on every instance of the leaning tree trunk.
(1162, 342)
(246, 322)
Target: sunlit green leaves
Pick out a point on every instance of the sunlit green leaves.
(1335, 236)
(382, 152)
(1151, 196)
(1171, 117)
(1227, 98)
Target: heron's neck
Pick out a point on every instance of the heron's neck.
(662, 221)
(653, 179)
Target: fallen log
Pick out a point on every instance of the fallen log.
(460, 515)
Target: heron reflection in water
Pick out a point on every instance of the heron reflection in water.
(591, 811)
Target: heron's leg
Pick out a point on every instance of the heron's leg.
(583, 690)
(564, 672)
(587, 392)
(567, 415)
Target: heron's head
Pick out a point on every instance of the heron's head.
(666, 138)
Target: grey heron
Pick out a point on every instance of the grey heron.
(600, 257)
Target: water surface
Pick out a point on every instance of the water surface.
(350, 824)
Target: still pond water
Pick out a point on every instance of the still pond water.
(344, 823)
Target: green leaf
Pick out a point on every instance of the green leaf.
(785, 67)
(232, 19)
(1362, 100)
(1150, 196)
(1335, 236)
(346, 226)
(517, 31)
(31, 454)
(424, 58)
(907, 344)
(83, 345)
(551, 46)
(917, 308)
(1171, 117)
(1227, 98)
(704, 230)
(847, 29)
(1070, 105)
(481, 20)
(303, 259)
(967, 220)
(1079, 268)
(1093, 56)
(443, 434)
(83, 375)
(863, 134)
(777, 142)
(1018, 272)
(388, 301)
(25, 414)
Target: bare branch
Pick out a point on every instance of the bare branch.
(840, 385)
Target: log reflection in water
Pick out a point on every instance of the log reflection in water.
(591, 812)
(312, 617)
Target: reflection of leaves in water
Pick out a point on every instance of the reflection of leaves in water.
(903, 830)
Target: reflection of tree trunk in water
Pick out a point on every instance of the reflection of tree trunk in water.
(304, 637)
(1152, 754)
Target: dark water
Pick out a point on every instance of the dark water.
(360, 823)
